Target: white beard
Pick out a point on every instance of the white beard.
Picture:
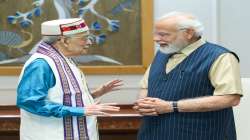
(169, 49)
(174, 47)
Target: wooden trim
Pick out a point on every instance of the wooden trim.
(124, 123)
(147, 50)
(147, 31)
(136, 69)
(10, 70)
(13, 107)
(133, 69)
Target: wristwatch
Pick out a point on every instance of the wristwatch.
(175, 106)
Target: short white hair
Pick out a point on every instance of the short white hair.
(189, 21)
(50, 39)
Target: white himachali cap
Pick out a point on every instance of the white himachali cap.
(64, 27)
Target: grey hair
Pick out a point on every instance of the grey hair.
(50, 39)
(189, 21)
(53, 39)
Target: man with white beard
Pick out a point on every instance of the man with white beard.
(191, 86)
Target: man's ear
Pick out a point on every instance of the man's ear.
(189, 33)
(66, 40)
(63, 39)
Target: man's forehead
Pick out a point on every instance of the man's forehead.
(165, 26)
(82, 34)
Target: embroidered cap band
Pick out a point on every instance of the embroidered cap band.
(64, 27)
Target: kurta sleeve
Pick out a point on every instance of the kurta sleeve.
(33, 88)
(225, 75)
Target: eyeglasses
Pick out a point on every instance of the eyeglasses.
(84, 38)
(161, 34)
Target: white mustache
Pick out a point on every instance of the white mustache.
(168, 49)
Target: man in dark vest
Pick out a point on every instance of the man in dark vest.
(191, 86)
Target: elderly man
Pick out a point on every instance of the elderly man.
(53, 95)
(191, 86)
